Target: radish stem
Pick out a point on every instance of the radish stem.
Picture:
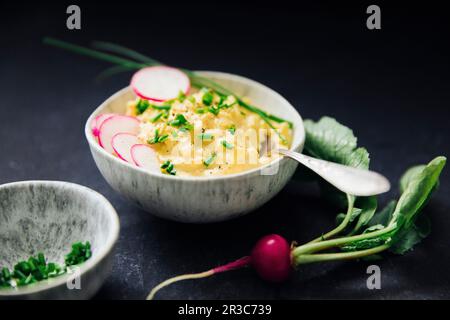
(311, 258)
(342, 225)
(327, 244)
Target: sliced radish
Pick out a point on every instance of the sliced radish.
(98, 121)
(122, 143)
(114, 125)
(160, 83)
(145, 157)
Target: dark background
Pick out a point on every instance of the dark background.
(391, 86)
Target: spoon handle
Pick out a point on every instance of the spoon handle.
(354, 181)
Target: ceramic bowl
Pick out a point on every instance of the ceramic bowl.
(200, 199)
(47, 217)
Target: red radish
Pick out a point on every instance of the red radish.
(160, 83)
(98, 121)
(270, 257)
(122, 143)
(114, 125)
(145, 157)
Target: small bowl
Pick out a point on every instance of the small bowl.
(200, 199)
(47, 217)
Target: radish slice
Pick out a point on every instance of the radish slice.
(98, 121)
(145, 157)
(160, 83)
(115, 125)
(122, 143)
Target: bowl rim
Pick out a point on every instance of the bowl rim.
(255, 171)
(86, 266)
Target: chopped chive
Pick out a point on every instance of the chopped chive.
(142, 105)
(165, 107)
(19, 274)
(232, 129)
(181, 96)
(165, 164)
(210, 159)
(200, 110)
(78, 254)
(36, 269)
(206, 136)
(41, 259)
(178, 121)
(207, 98)
(214, 110)
(163, 138)
(191, 99)
(169, 168)
(174, 134)
(6, 274)
(226, 144)
(156, 118)
(157, 138)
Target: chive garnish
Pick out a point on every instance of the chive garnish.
(169, 168)
(200, 110)
(191, 99)
(165, 107)
(226, 144)
(156, 118)
(214, 110)
(232, 129)
(178, 121)
(181, 96)
(36, 269)
(206, 136)
(207, 98)
(142, 105)
(210, 159)
(157, 138)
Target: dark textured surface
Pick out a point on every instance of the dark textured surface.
(390, 86)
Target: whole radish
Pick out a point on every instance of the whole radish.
(270, 257)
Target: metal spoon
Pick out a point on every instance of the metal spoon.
(349, 180)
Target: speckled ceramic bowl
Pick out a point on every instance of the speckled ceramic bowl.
(204, 199)
(47, 217)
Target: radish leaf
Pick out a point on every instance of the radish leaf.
(329, 140)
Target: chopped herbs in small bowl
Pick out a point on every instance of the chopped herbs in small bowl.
(56, 240)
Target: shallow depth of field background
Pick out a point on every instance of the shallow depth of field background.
(391, 86)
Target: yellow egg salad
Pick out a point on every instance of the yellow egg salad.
(207, 134)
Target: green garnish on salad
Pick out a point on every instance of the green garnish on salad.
(169, 168)
(158, 138)
(226, 144)
(210, 159)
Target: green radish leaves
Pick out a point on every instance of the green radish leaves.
(327, 139)
(363, 212)
(399, 225)
(417, 192)
(418, 184)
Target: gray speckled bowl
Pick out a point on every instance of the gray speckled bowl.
(204, 199)
(47, 217)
